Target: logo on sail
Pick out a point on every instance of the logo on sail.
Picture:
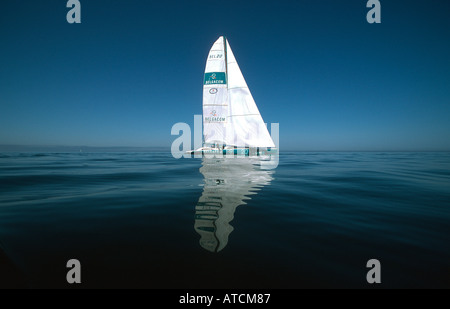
(215, 78)
(213, 117)
(213, 90)
(215, 56)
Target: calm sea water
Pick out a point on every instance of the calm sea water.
(148, 220)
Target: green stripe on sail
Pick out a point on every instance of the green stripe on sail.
(215, 78)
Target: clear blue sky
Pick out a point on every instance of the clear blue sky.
(132, 69)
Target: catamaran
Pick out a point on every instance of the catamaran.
(232, 123)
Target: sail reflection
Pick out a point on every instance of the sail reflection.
(228, 183)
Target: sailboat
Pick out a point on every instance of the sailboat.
(232, 123)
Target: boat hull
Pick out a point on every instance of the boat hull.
(235, 152)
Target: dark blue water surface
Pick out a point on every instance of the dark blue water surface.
(149, 220)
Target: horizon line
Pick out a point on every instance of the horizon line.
(61, 148)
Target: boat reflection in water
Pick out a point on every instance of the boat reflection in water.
(228, 183)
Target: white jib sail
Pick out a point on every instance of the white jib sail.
(230, 114)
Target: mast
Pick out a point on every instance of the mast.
(226, 67)
(226, 59)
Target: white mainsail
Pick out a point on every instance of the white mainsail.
(230, 114)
